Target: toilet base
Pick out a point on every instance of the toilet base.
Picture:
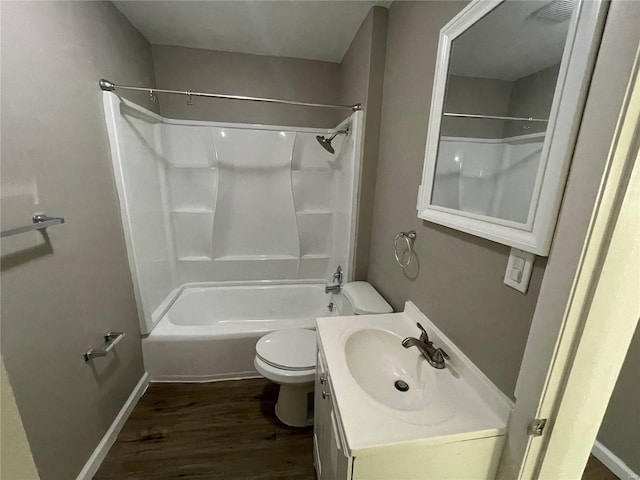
(295, 405)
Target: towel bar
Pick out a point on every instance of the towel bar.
(40, 221)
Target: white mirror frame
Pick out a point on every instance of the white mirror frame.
(564, 119)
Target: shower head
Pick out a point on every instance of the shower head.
(326, 142)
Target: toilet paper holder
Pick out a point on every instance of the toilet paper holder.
(111, 338)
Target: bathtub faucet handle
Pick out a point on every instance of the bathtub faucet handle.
(336, 286)
(337, 276)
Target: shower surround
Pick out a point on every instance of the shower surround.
(204, 204)
(488, 176)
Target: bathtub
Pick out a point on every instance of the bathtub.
(208, 332)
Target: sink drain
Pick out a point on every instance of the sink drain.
(401, 385)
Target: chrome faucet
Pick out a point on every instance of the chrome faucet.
(337, 282)
(435, 356)
(337, 276)
(333, 288)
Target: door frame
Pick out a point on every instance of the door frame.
(573, 356)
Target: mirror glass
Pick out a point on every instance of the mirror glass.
(501, 82)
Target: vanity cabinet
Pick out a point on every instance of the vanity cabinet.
(330, 459)
(456, 430)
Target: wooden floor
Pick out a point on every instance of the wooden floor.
(223, 430)
(597, 471)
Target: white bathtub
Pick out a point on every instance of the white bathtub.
(209, 331)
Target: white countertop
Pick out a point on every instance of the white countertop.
(465, 404)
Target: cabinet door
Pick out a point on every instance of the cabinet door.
(321, 423)
(339, 463)
(331, 462)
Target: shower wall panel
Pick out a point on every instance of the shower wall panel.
(343, 205)
(204, 202)
(143, 199)
(517, 181)
(255, 214)
(493, 177)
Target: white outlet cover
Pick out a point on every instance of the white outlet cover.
(519, 269)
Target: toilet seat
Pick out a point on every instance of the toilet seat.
(284, 377)
(291, 350)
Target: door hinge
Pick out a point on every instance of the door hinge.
(536, 427)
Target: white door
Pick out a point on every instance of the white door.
(589, 304)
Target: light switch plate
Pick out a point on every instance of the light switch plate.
(519, 269)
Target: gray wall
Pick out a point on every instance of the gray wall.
(59, 297)
(487, 96)
(456, 279)
(529, 96)
(361, 78)
(16, 460)
(182, 68)
(532, 96)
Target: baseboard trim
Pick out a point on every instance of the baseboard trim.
(221, 377)
(613, 462)
(95, 460)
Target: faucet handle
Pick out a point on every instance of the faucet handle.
(337, 276)
(443, 353)
(424, 337)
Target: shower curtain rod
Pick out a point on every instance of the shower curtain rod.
(108, 86)
(495, 117)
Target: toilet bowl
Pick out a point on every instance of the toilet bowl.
(288, 357)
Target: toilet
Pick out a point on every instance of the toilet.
(288, 357)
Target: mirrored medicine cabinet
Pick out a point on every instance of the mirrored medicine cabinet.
(509, 88)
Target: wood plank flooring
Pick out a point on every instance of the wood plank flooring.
(595, 470)
(222, 430)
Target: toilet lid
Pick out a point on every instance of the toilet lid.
(293, 349)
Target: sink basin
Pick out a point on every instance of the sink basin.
(391, 374)
(364, 357)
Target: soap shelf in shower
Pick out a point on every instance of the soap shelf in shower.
(192, 210)
(192, 167)
(315, 169)
(314, 256)
(195, 258)
(314, 212)
(231, 258)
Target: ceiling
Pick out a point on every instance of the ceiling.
(316, 30)
(511, 42)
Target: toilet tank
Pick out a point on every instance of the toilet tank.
(360, 298)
